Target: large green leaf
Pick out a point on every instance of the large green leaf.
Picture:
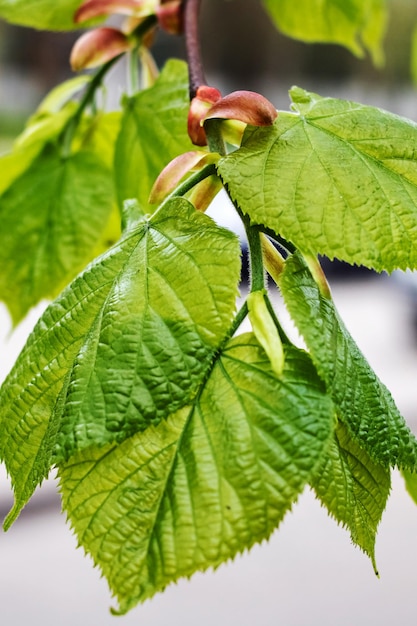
(41, 14)
(213, 479)
(346, 22)
(353, 488)
(364, 404)
(335, 178)
(52, 216)
(153, 132)
(124, 345)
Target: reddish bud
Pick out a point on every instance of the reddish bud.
(98, 8)
(170, 17)
(199, 107)
(97, 47)
(246, 106)
(243, 106)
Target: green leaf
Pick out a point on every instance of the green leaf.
(63, 205)
(41, 14)
(41, 127)
(335, 178)
(356, 24)
(153, 132)
(410, 479)
(353, 488)
(207, 483)
(125, 344)
(364, 404)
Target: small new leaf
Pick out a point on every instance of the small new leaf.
(265, 330)
(214, 478)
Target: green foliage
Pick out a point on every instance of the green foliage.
(153, 132)
(179, 441)
(215, 477)
(356, 24)
(353, 488)
(336, 178)
(41, 14)
(63, 204)
(363, 403)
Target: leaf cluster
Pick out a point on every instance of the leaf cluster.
(180, 441)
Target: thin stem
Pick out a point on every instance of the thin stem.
(133, 70)
(69, 130)
(257, 282)
(192, 44)
(286, 245)
(71, 126)
(283, 335)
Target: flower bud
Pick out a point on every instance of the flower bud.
(97, 47)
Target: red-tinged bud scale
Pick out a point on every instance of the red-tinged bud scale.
(199, 107)
(97, 47)
(170, 17)
(246, 106)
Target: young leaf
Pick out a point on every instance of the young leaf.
(364, 404)
(125, 344)
(208, 482)
(354, 489)
(153, 132)
(349, 23)
(335, 178)
(63, 205)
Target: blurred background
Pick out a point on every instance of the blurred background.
(308, 574)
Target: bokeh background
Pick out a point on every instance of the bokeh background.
(308, 574)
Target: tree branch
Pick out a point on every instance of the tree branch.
(192, 44)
